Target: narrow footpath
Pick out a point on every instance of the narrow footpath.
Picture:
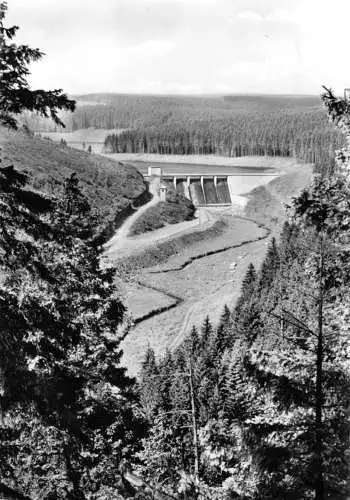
(123, 245)
(121, 239)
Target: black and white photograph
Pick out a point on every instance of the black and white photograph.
(174, 250)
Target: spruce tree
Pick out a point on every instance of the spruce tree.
(224, 335)
(247, 289)
(270, 265)
(15, 93)
(150, 380)
(166, 369)
(63, 387)
(206, 332)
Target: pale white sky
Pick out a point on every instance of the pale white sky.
(187, 46)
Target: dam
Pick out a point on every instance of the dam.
(209, 185)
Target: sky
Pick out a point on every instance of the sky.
(186, 46)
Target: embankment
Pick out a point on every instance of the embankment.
(159, 310)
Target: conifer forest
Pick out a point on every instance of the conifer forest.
(253, 407)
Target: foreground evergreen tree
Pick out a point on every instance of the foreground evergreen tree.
(15, 94)
(68, 411)
(68, 408)
(270, 266)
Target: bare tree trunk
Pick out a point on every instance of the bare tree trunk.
(194, 427)
(319, 484)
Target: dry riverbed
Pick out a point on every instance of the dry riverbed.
(205, 285)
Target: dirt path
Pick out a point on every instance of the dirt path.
(120, 240)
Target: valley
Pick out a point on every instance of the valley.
(208, 256)
(183, 271)
(175, 268)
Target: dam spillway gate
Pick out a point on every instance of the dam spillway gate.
(201, 189)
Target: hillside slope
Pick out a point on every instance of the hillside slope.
(267, 203)
(110, 187)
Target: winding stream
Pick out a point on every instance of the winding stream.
(215, 252)
(178, 300)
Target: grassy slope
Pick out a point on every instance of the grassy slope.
(267, 203)
(176, 209)
(109, 186)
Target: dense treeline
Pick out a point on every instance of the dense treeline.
(231, 125)
(302, 134)
(254, 390)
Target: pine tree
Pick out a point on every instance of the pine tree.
(270, 265)
(15, 94)
(150, 379)
(68, 409)
(206, 332)
(247, 288)
(224, 336)
(292, 361)
(166, 369)
(194, 341)
(66, 390)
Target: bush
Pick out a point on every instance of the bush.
(175, 209)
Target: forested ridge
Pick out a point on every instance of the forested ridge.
(107, 111)
(220, 125)
(302, 134)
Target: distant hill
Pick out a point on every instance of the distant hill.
(108, 111)
(109, 186)
(199, 100)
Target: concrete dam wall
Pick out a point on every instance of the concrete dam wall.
(202, 190)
